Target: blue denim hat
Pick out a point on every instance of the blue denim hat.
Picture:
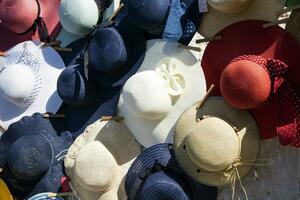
(155, 174)
(115, 53)
(31, 154)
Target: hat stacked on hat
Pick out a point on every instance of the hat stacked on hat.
(31, 156)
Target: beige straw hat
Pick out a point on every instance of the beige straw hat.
(99, 159)
(222, 13)
(217, 144)
(293, 26)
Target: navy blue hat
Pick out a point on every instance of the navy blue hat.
(31, 154)
(147, 14)
(155, 174)
(115, 53)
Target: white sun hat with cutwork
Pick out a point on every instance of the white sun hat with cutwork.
(28, 77)
(169, 80)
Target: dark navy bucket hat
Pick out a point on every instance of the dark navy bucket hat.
(115, 53)
(31, 156)
(155, 174)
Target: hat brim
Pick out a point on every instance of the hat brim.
(48, 99)
(250, 38)
(49, 13)
(248, 134)
(149, 132)
(213, 21)
(118, 140)
(164, 155)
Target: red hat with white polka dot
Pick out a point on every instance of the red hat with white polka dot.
(266, 91)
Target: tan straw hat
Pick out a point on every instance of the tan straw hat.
(216, 144)
(99, 159)
(222, 13)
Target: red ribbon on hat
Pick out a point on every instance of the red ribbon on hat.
(287, 100)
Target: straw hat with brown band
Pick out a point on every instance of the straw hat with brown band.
(216, 144)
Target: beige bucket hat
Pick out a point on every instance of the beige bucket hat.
(99, 159)
(216, 144)
(225, 12)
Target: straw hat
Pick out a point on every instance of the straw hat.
(216, 144)
(169, 80)
(99, 159)
(223, 13)
(293, 26)
(28, 82)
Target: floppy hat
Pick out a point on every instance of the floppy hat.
(75, 18)
(115, 53)
(25, 20)
(250, 38)
(4, 191)
(155, 174)
(216, 144)
(31, 156)
(99, 159)
(293, 25)
(223, 13)
(27, 81)
(168, 81)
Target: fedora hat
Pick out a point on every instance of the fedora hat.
(155, 174)
(223, 13)
(168, 81)
(4, 191)
(31, 156)
(250, 38)
(76, 20)
(25, 20)
(28, 81)
(112, 61)
(99, 159)
(216, 144)
(293, 25)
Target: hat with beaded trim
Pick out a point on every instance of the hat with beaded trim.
(216, 144)
(272, 85)
(155, 174)
(31, 156)
(22, 20)
(28, 81)
(99, 159)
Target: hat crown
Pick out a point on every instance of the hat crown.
(95, 167)
(18, 16)
(16, 82)
(107, 51)
(230, 6)
(145, 95)
(30, 157)
(212, 145)
(75, 19)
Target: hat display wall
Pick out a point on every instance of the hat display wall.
(99, 159)
(250, 38)
(169, 80)
(155, 174)
(216, 144)
(293, 26)
(28, 81)
(276, 179)
(223, 13)
(31, 155)
(25, 20)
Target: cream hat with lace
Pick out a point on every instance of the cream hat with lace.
(217, 144)
(99, 159)
(169, 80)
(28, 77)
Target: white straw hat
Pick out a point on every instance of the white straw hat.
(169, 80)
(222, 13)
(28, 82)
(99, 159)
(216, 144)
